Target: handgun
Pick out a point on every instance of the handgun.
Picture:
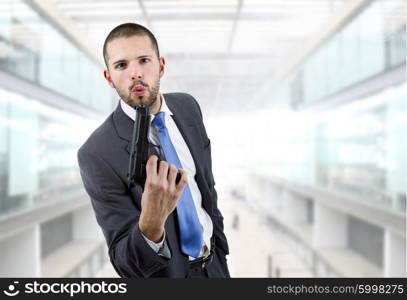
(139, 152)
(139, 147)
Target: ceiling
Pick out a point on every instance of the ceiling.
(220, 51)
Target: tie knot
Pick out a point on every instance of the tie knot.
(159, 121)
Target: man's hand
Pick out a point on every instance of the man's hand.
(160, 197)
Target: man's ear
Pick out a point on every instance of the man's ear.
(162, 66)
(107, 77)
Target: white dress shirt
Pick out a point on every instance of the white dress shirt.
(188, 166)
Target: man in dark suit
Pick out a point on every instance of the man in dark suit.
(171, 228)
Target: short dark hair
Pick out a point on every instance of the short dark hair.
(128, 30)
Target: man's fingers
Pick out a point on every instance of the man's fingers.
(166, 176)
(151, 167)
(163, 171)
(183, 181)
(172, 173)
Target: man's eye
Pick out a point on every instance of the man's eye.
(120, 65)
(144, 60)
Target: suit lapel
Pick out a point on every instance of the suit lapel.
(124, 126)
(192, 140)
(188, 130)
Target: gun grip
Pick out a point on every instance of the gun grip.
(178, 178)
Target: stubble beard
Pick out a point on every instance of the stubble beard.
(141, 100)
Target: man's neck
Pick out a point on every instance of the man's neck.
(157, 105)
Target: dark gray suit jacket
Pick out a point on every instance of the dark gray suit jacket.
(103, 161)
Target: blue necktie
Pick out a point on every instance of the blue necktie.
(190, 228)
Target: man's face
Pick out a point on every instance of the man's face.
(134, 70)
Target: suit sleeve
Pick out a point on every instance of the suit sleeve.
(117, 214)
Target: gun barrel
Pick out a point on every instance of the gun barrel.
(139, 147)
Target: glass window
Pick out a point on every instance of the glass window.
(372, 55)
(22, 154)
(70, 69)
(350, 53)
(35, 50)
(26, 40)
(38, 152)
(5, 20)
(84, 79)
(50, 66)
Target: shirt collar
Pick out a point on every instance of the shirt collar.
(131, 112)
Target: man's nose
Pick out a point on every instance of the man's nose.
(136, 74)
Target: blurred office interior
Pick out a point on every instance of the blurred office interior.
(305, 103)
